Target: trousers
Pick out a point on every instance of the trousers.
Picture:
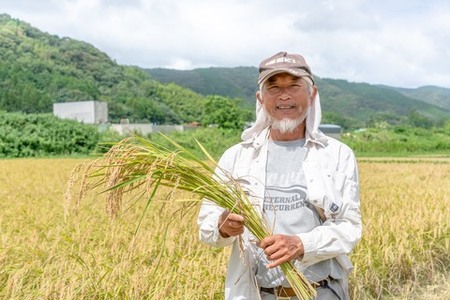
(323, 293)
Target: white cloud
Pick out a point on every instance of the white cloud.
(402, 43)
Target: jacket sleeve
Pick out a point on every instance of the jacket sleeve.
(208, 217)
(336, 191)
(208, 222)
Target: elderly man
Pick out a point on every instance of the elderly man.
(305, 184)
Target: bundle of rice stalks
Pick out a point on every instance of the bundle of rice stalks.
(136, 163)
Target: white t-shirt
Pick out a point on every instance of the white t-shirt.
(286, 204)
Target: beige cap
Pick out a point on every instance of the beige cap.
(284, 62)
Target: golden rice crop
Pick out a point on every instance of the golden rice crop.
(406, 237)
(404, 253)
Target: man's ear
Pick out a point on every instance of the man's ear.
(259, 97)
(313, 94)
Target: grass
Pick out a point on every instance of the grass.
(404, 254)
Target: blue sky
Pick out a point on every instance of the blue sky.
(400, 43)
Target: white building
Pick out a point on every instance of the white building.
(89, 112)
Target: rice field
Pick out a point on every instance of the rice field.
(404, 254)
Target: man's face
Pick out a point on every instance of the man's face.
(284, 96)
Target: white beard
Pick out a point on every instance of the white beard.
(286, 125)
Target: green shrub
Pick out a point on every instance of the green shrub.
(398, 140)
(30, 135)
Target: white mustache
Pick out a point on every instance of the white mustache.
(286, 125)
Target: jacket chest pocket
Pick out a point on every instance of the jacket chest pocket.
(325, 189)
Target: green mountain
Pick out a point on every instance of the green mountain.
(355, 102)
(38, 69)
(431, 94)
(364, 101)
(239, 82)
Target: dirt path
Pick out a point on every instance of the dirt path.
(432, 159)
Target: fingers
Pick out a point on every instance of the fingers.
(235, 218)
(282, 248)
(230, 224)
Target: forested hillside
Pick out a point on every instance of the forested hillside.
(237, 82)
(38, 69)
(431, 94)
(371, 104)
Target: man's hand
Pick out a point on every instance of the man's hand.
(230, 224)
(281, 248)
